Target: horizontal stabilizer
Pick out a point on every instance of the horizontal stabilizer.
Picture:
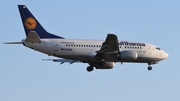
(12, 42)
(62, 60)
(33, 37)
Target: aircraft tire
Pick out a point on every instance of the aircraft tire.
(149, 68)
(89, 68)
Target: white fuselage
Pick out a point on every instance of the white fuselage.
(99, 54)
(83, 50)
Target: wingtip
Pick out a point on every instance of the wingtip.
(111, 34)
(21, 5)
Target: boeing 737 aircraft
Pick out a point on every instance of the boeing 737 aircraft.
(99, 54)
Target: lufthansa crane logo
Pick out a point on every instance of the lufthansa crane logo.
(30, 23)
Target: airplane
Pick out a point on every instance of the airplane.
(99, 54)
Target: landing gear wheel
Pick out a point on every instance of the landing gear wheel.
(89, 68)
(149, 68)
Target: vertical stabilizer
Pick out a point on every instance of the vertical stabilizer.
(30, 23)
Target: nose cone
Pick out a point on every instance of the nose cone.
(166, 55)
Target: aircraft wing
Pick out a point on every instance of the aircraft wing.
(110, 46)
(62, 60)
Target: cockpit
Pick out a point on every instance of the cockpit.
(158, 48)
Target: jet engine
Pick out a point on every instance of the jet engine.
(104, 65)
(127, 55)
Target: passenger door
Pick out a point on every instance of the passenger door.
(56, 46)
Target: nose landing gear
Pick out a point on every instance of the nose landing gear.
(149, 68)
(151, 63)
(90, 68)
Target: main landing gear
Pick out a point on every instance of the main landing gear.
(90, 68)
(96, 65)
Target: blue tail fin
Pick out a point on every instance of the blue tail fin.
(30, 23)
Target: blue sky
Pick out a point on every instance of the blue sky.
(25, 77)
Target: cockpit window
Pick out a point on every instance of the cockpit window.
(158, 48)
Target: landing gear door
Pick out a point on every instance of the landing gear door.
(56, 46)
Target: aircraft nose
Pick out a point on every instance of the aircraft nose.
(166, 55)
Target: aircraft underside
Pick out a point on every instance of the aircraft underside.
(108, 63)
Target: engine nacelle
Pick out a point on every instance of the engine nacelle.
(104, 65)
(127, 55)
